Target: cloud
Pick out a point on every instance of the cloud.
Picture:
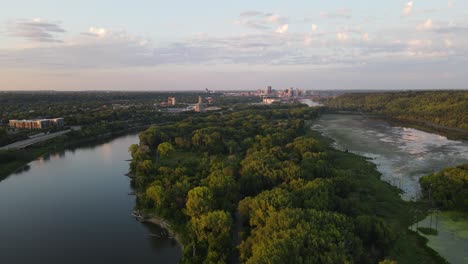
(105, 48)
(314, 28)
(262, 21)
(259, 25)
(37, 30)
(99, 32)
(427, 25)
(342, 36)
(282, 29)
(276, 19)
(448, 43)
(365, 37)
(408, 8)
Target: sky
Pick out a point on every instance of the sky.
(226, 45)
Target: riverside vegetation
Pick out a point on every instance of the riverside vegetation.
(256, 185)
(99, 114)
(445, 111)
(448, 189)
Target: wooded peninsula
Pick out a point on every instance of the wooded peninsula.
(256, 185)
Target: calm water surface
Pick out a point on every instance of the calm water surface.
(401, 154)
(74, 207)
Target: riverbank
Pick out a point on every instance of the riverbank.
(61, 143)
(403, 153)
(449, 132)
(82, 211)
(386, 202)
(452, 133)
(163, 223)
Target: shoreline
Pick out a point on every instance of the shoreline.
(452, 133)
(42, 149)
(418, 235)
(163, 223)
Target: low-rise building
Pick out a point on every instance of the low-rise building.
(36, 123)
(171, 101)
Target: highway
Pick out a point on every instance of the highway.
(28, 142)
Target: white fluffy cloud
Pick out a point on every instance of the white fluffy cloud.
(282, 29)
(314, 28)
(408, 8)
(99, 32)
(342, 36)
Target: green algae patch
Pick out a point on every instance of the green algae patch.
(452, 239)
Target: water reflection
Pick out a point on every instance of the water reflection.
(310, 102)
(23, 169)
(401, 154)
(74, 207)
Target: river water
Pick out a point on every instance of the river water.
(75, 207)
(310, 102)
(403, 155)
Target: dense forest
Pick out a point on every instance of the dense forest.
(430, 108)
(448, 189)
(256, 185)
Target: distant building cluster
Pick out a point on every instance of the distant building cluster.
(36, 123)
(202, 105)
(290, 93)
(270, 96)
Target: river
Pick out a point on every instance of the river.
(310, 102)
(74, 207)
(402, 155)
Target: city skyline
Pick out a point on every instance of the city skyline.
(158, 45)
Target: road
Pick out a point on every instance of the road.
(28, 142)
